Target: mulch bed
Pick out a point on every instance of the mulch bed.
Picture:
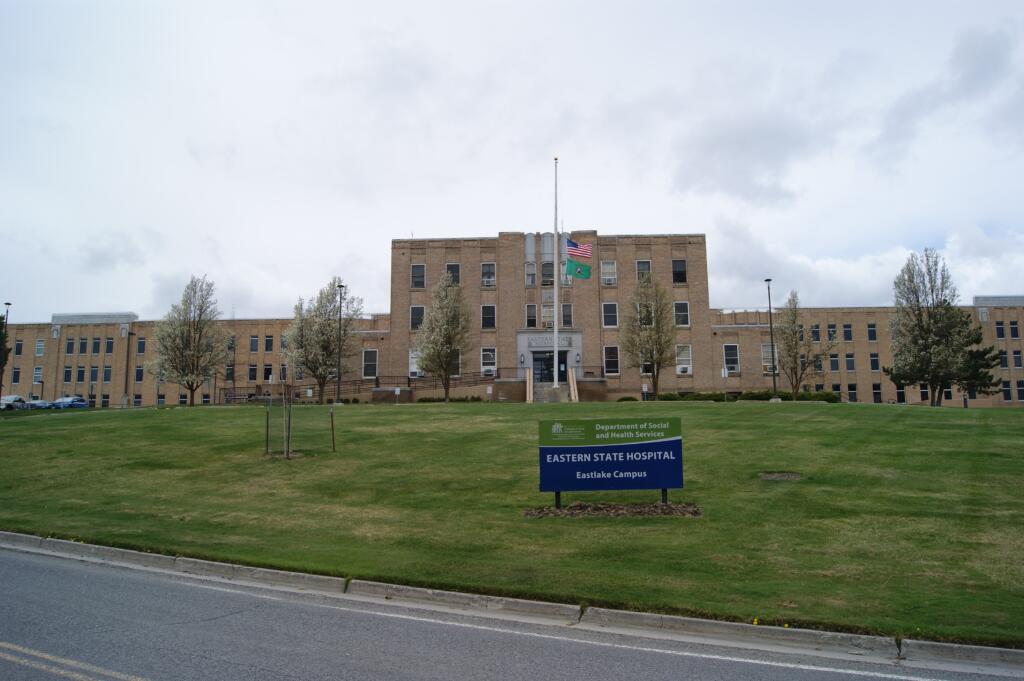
(579, 509)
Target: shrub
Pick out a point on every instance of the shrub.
(627, 398)
(669, 397)
(704, 397)
(469, 398)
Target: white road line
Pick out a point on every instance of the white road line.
(570, 639)
(60, 660)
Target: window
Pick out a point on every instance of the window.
(609, 276)
(414, 364)
(95, 346)
(206, 398)
(611, 360)
(106, 373)
(833, 362)
(547, 274)
(924, 392)
(37, 375)
(567, 315)
(874, 361)
(252, 372)
(678, 271)
(268, 372)
(547, 315)
(136, 400)
(837, 389)
(108, 345)
(643, 270)
(768, 360)
(609, 315)
(140, 345)
(848, 333)
(1017, 361)
(488, 361)
(15, 375)
(231, 343)
(284, 342)
(369, 363)
(487, 277)
(816, 333)
(851, 392)
(69, 347)
(182, 399)
(831, 332)
(1007, 394)
(138, 374)
(849, 362)
(229, 373)
(876, 393)
(418, 276)
(531, 274)
(161, 399)
(645, 314)
(80, 374)
(105, 400)
(646, 365)
(454, 269)
(1014, 330)
(682, 313)
(731, 353)
(268, 344)
(254, 343)
(487, 317)
(1000, 330)
(284, 372)
(901, 394)
(684, 360)
(415, 317)
(1003, 363)
(800, 333)
(83, 346)
(1020, 390)
(819, 387)
(531, 316)
(818, 367)
(456, 367)
(67, 374)
(40, 346)
(947, 393)
(872, 332)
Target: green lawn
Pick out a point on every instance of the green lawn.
(907, 521)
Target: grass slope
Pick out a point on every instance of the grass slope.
(907, 521)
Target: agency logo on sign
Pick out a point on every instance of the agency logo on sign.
(556, 427)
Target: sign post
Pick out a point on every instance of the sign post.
(610, 454)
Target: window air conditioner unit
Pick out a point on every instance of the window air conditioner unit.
(683, 369)
(488, 371)
(488, 281)
(548, 325)
(609, 281)
(415, 374)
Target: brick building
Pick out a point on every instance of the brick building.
(508, 281)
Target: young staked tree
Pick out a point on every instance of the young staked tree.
(191, 346)
(648, 336)
(313, 337)
(798, 354)
(932, 338)
(444, 335)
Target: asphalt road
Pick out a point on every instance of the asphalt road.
(62, 618)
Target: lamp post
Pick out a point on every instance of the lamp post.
(771, 330)
(337, 375)
(7, 324)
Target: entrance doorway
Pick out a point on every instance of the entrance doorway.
(544, 366)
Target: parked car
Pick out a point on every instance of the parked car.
(12, 402)
(38, 404)
(72, 402)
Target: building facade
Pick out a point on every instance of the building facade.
(509, 285)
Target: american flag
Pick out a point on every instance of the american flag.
(576, 250)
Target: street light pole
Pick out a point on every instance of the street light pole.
(337, 375)
(771, 331)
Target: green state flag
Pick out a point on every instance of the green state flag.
(577, 269)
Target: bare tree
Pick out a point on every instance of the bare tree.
(931, 336)
(191, 346)
(444, 335)
(314, 335)
(648, 334)
(798, 352)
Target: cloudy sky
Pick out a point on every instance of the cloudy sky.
(271, 145)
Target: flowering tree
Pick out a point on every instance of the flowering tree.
(444, 335)
(798, 351)
(319, 326)
(648, 335)
(191, 346)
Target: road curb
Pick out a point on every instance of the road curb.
(835, 642)
(847, 645)
(457, 599)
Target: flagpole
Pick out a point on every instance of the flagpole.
(558, 274)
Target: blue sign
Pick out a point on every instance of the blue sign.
(611, 454)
